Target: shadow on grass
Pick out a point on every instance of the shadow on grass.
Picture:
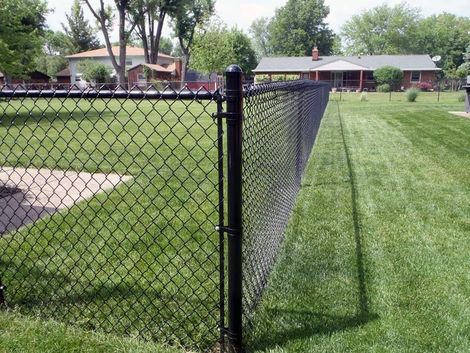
(23, 117)
(301, 324)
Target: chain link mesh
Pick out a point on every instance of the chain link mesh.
(109, 203)
(281, 121)
(108, 207)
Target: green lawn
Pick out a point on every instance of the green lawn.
(140, 260)
(377, 255)
(376, 258)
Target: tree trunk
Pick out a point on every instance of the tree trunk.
(156, 41)
(122, 48)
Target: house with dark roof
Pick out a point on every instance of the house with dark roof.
(352, 72)
(63, 77)
(31, 78)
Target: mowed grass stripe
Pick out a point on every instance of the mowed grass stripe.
(413, 208)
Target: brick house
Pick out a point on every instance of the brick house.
(351, 72)
(142, 74)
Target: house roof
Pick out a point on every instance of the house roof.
(367, 62)
(63, 73)
(103, 52)
(156, 67)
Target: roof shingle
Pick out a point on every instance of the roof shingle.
(368, 62)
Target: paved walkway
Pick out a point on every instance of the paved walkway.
(45, 191)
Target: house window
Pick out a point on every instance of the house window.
(128, 62)
(141, 77)
(415, 76)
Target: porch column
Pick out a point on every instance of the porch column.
(361, 81)
(316, 75)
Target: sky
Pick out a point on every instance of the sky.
(241, 13)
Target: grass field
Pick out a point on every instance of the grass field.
(140, 260)
(375, 258)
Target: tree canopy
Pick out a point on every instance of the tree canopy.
(191, 15)
(445, 35)
(81, 35)
(382, 30)
(22, 25)
(218, 47)
(299, 26)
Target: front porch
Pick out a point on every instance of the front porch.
(346, 80)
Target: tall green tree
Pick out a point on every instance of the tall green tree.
(218, 47)
(299, 26)
(105, 15)
(22, 25)
(445, 35)
(82, 36)
(259, 31)
(191, 15)
(56, 46)
(150, 16)
(382, 30)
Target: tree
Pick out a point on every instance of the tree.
(56, 43)
(382, 30)
(22, 25)
(51, 64)
(82, 36)
(149, 17)
(388, 75)
(299, 26)
(166, 46)
(259, 31)
(445, 35)
(218, 47)
(464, 69)
(94, 71)
(191, 15)
(104, 15)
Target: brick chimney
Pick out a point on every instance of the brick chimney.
(315, 54)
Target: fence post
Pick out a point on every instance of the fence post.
(234, 115)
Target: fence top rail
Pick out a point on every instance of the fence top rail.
(166, 94)
(258, 88)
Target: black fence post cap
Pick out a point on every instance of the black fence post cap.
(234, 68)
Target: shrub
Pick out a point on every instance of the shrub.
(364, 97)
(284, 77)
(96, 72)
(412, 94)
(383, 88)
(424, 86)
(390, 75)
(461, 97)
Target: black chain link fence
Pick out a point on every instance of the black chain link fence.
(110, 202)
(281, 121)
(111, 225)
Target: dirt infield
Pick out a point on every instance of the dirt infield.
(40, 192)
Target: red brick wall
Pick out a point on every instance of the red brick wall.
(426, 76)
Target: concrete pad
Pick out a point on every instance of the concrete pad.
(45, 191)
(461, 114)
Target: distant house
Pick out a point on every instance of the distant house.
(33, 77)
(142, 74)
(63, 77)
(354, 72)
(134, 57)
